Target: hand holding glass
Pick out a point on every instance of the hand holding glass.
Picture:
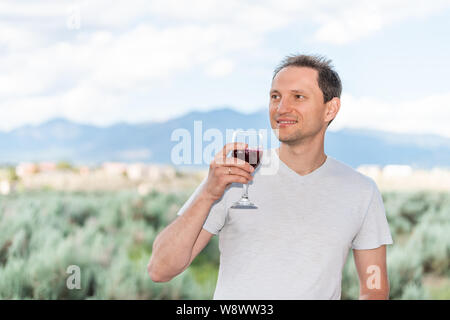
(252, 155)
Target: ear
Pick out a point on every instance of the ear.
(332, 109)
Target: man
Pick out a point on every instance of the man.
(310, 213)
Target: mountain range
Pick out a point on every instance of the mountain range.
(60, 139)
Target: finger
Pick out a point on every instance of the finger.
(230, 147)
(232, 178)
(235, 162)
(235, 171)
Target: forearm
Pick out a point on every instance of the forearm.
(172, 248)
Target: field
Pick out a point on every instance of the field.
(109, 235)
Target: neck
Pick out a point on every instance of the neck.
(304, 157)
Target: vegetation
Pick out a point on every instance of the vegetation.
(109, 235)
(65, 165)
(8, 173)
(420, 227)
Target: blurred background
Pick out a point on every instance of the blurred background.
(92, 92)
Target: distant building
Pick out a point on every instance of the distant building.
(169, 172)
(114, 168)
(394, 171)
(5, 187)
(136, 171)
(26, 169)
(439, 172)
(153, 172)
(47, 167)
(373, 171)
(84, 170)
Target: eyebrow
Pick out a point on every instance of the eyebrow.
(293, 91)
(298, 91)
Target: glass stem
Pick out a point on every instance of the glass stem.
(245, 192)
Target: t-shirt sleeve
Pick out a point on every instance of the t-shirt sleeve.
(216, 217)
(374, 231)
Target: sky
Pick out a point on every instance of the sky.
(103, 62)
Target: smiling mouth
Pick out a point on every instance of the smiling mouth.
(286, 123)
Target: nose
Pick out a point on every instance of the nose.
(283, 106)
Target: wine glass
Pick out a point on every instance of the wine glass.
(252, 154)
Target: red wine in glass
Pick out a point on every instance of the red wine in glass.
(252, 156)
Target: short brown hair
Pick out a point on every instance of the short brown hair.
(328, 80)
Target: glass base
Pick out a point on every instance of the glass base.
(244, 203)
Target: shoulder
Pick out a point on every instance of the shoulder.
(348, 176)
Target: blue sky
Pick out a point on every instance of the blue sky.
(101, 62)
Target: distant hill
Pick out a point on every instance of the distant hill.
(60, 139)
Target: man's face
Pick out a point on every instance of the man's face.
(297, 109)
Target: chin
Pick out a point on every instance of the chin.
(289, 139)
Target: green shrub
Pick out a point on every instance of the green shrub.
(109, 235)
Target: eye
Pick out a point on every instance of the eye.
(299, 96)
(274, 96)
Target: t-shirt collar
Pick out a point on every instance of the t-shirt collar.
(315, 173)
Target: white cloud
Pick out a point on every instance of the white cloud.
(18, 37)
(122, 49)
(350, 20)
(32, 9)
(220, 68)
(147, 53)
(426, 115)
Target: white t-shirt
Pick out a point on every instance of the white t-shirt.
(295, 245)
